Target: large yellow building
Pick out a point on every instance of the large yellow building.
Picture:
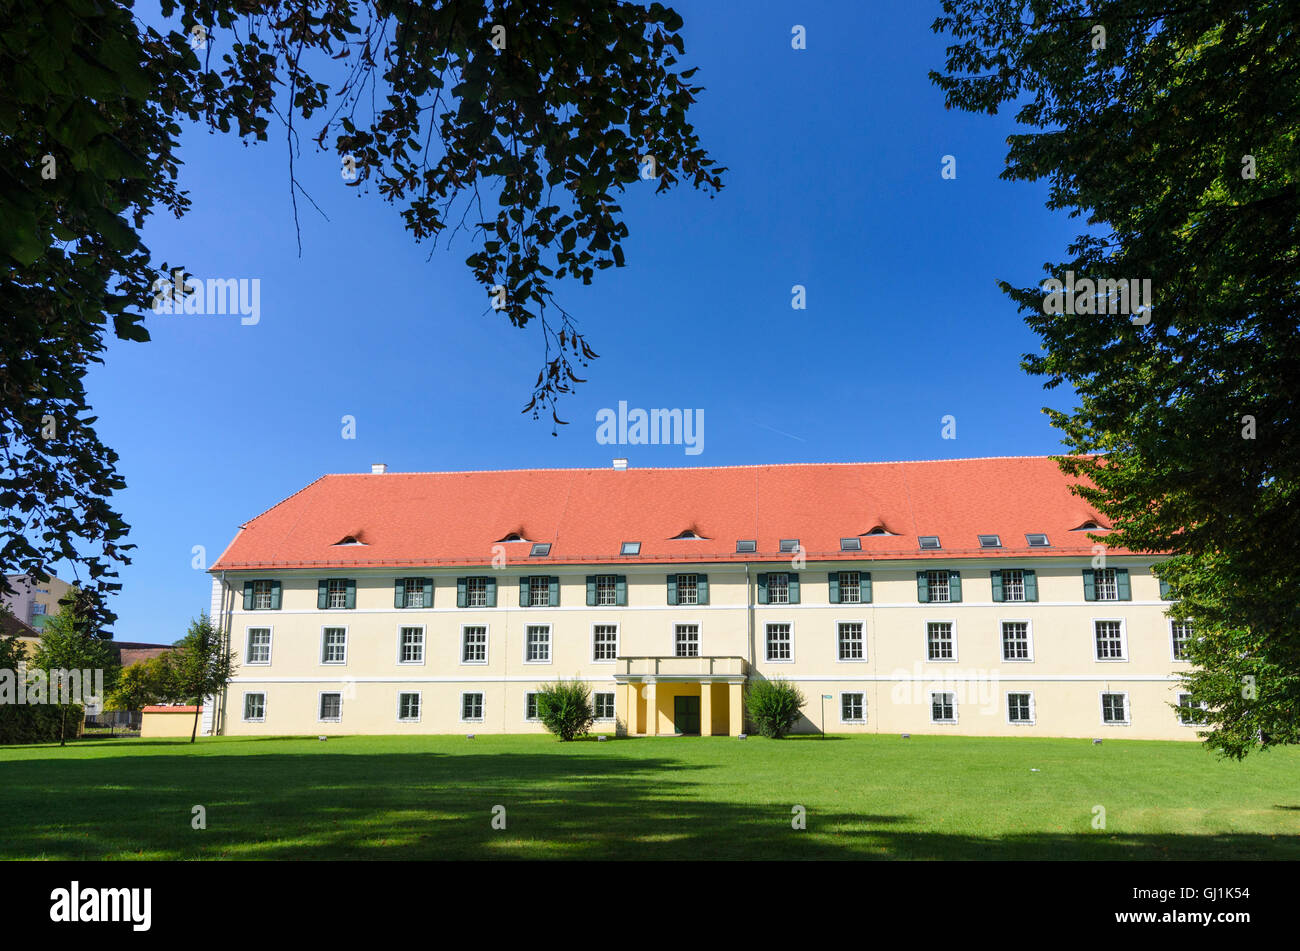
(958, 596)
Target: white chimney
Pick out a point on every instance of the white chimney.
(620, 464)
(378, 468)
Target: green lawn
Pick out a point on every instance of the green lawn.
(657, 798)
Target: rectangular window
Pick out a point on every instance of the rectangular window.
(476, 592)
(1107, 587)
(539, 591)
(850, 544)
(604, 706)
(412, 645)
(1013, 584)
(262, 595)
(630, 548)
(255, 707)
(334, 645)
(473, 640)
(778, 589)
(538, 650)
(937, 582)
(943, 708)
(686, 640)
(530, 706)
(471, 706)
(1114, 708)
(408, 706)
(38, 608)
(850, 641)
(331, 707)
(1020, 708)
(1109, 636)
(1192, 715)
(789, 545)
(1181, 632)
(780, 645)
(746, 545)
(336, 593)
(259, 645)
(687, 589)
(940, 644)
(606, 589)
(1015, 641)
(604, 642)
(850, 587)
(414, 593)
(853, 708)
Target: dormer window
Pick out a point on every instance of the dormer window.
(630, 548)
(929, 542)
(789, 545)
(540, 550)
(850, 544)
(990, 541)
(1037, 540)
(879, 530)
(687, 535)
(347, 540)
(746, 546)
(512, 537)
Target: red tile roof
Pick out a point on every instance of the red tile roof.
(159, 708)
(454, 518)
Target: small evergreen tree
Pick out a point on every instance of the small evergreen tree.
(564, 708)
(774, 706)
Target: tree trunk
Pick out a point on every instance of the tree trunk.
(63, 726)
(195, 731)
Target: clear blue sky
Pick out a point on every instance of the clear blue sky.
(834, 183)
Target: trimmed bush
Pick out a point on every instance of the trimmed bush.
(564, 708)
(773, 706)
(38, 723)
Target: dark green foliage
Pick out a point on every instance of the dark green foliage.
(39, 722)
(773, 706)
(1185, 423)
(564, 708)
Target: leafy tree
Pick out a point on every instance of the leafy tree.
(143, 683)
(202, 663)
(564, 708)
(1175, 131)
(773, 706)
(519, 123)
(72, 642)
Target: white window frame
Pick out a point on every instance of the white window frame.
(613, 694)
(527, 719)
(854, 693)
(417, 588)
(858, 599)
(482, 701)
(320, 656)
(950, 693)
(533, 590)
(930, 585)
(1019, 600)
(767, 658)
(419, 705)
(270, 644)
(618, 633)
(1201, 704)
(1128, 708)
(694, 588)
(925, 640)
(487, 643)
(1029, 641)
(611, 589)
(550, 644)
(1123, 641)
(244, 717)
(1173, 651)
(1096, 583)
(424, 645)
(336, 586)
(270, 593)
(470, 592)
(771, 587)
(699, 639)
(1033, 709)
(320, 700)
(851, 660)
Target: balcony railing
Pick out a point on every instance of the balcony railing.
(639, 667)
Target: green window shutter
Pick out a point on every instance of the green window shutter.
(248, 595)
(762, 589)
(351, 596)
(1164, 590)
(524, 594)
(322, 595)
(1089, 585)
(996, 578)
(672, 589)
(427, 585)
(794, 587)
(864, 583)
(922, 587)
(554, 598)
(591, 590)
(1031, 585)
(620, 589)
(1122, 587)
(275, 595)
(490, 584)
(399, 592)
(702, 588)
(462, 598)
(954, 586)
(833, 586)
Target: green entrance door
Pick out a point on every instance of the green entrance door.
(686, 715)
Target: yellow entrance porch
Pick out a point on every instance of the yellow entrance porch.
(666, 696)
